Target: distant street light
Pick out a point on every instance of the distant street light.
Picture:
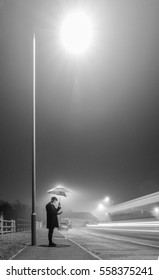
(101, 207)
(156, 211)
(107, 199)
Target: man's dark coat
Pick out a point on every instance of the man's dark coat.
(52, 211)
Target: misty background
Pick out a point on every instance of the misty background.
(97, 116)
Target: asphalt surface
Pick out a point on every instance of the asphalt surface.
(65, 249)
(111, 241)
(146, 233)
(117, 243)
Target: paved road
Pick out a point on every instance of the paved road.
(117, 244)
(145, 233)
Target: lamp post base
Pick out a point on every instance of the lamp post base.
(33, 229)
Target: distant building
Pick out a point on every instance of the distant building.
(79, 218)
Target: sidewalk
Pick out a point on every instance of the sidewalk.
(65, 249)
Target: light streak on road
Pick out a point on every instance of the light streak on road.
(123, 239)
(135, 230)
(139, 202)
(148, 226)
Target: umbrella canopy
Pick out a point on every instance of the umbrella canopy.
(59, 190)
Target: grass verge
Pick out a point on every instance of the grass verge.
(10, 244)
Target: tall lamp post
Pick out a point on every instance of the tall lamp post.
(33, 215)
(76, 36)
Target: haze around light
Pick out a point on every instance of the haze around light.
(76, 32)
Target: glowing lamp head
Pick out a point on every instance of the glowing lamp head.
(107, 199)
(100, 207)
(156, 211)
(76, 33)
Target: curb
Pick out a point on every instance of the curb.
(89, 252)
(19, 251)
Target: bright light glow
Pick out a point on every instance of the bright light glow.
(100, 207)
(76, 32)
(156, 211)
(59, 186)
(107, 199)
(149, 226)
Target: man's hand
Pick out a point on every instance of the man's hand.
(59, 205)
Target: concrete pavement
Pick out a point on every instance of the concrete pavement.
(65, 249)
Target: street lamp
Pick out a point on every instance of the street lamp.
(107, 199)
(33, 215)
(156, 211)
(101, 207)
(76, 32)
(76, 36)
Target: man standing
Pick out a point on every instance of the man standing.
(52, 220)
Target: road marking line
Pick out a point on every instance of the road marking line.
(95, 256)
(129, 241)
(62, 235)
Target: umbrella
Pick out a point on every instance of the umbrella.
(57, 192)
(60, 191)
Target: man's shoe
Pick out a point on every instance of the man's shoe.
(52, 245)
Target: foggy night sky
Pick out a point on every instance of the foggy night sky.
(97, 115)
